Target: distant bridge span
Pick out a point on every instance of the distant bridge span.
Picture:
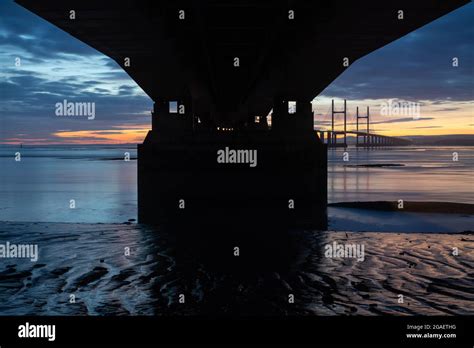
(363, 139)
(335, 138)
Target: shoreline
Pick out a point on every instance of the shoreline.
(130, 223)
(368, 216)
(410, 206)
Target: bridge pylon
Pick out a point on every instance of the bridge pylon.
(332, 135)
(367, 135)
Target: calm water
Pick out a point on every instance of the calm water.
(40, 187)
(427, 174)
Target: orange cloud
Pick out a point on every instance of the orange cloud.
(109, 136)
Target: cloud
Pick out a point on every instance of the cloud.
(403, 119)
(31, 35)
(54, 66)
(447, 109)
(417, 66)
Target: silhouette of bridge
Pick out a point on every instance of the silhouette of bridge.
(338, 138)
(213, 65)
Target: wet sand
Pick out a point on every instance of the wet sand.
(415, 216)
(89, 261)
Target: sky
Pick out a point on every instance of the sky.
(40, 65)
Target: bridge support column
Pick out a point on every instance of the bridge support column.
(295, 165)
(172, 124)
(182, 181)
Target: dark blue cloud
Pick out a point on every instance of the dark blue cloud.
(55, 66)
(24, 30)
(417, 66)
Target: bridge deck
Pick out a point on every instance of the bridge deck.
(173, 57)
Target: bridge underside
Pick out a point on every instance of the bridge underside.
(214, 65)
(177, 49)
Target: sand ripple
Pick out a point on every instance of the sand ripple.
(89, 261)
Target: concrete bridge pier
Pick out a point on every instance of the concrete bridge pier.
(180, 180)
